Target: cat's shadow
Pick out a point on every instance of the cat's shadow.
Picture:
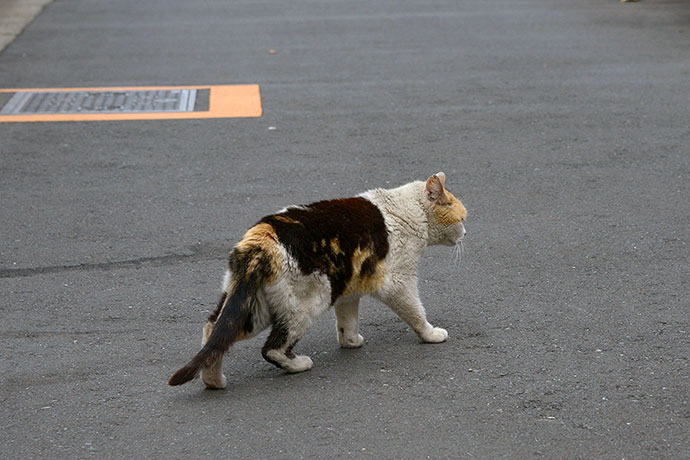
(333, 365)
(386, 349)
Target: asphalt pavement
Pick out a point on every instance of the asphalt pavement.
(563, 126)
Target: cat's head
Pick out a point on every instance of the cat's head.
(447, 212)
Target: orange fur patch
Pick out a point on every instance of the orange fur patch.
(335, 247)
(450, 210)
(286, 219)
(263, 236)
(369, 283)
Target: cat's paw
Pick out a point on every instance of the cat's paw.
(435, 335)
(350, 342)
(298, 364)
(215, 382)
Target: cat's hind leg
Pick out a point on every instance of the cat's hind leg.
(294, 301)
(347, 323)
(278, 348)
(212, 375)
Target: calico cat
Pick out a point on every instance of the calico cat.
(293, 265)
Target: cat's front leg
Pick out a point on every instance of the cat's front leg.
(346, 313)
(401, 295)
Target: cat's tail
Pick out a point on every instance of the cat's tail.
(255, 261)
(229, 327)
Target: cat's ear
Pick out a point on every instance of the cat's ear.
(442, 177)
(434, 187)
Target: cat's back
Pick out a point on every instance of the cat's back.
(344, 239)
(330, 226)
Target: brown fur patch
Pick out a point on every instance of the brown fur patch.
(244, 323)
(276, 340)
(449, 210)
(241, 335)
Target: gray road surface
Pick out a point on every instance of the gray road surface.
(563, 126)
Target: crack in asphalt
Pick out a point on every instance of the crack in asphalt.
(6, 335)
(198, 252)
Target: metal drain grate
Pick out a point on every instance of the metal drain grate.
(70, 102)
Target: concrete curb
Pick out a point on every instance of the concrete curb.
(15, 15)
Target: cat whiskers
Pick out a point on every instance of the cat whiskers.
(458, 254)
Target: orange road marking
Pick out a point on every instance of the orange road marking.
(225, 101)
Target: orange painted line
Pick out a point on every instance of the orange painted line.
(225, 101)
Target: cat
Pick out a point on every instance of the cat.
(293, 265)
